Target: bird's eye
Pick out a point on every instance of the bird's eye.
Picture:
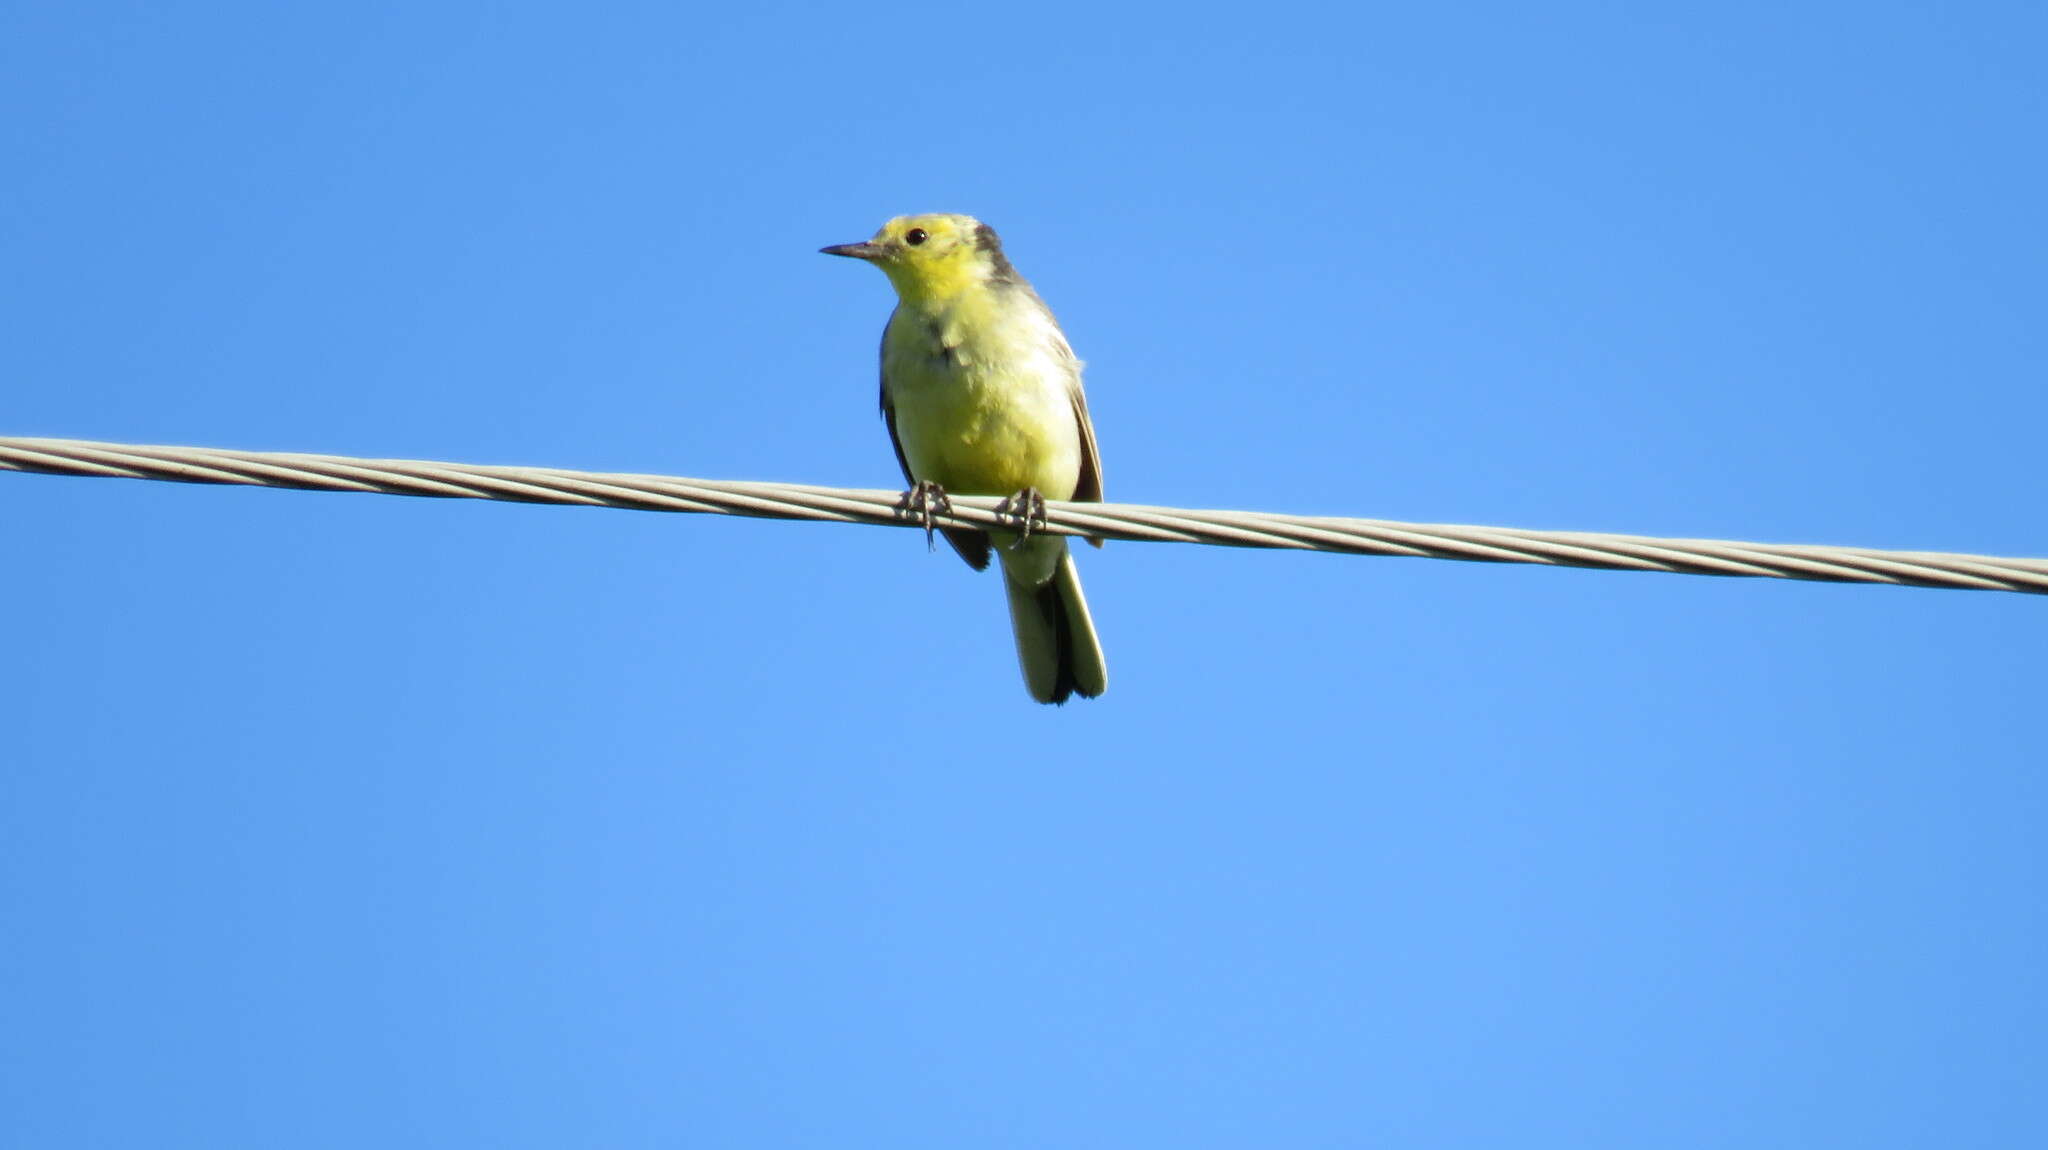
(914, 237)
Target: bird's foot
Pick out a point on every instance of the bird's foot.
(925, 502)
(1027, 507)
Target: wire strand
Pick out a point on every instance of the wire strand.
(1106, 520)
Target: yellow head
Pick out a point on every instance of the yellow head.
(933, 257)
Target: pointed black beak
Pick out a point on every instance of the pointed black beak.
(863, 250)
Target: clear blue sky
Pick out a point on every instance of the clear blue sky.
(342, 821)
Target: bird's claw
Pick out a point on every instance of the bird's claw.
(925, 502)
(1027, 507)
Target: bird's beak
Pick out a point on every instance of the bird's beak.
(864, 250)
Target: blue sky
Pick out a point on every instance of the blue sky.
(340, 821)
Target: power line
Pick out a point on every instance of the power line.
(1108, 520)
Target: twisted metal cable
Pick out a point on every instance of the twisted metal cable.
(1105, 520)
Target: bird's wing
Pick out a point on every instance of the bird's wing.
(1088, 488)
(972, 545)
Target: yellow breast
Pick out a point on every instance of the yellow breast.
(983, 392)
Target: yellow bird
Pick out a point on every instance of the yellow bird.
(982, 396)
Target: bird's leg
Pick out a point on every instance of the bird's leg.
(1027, 507)
(925, 502)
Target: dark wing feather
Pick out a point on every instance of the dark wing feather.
(1089, 487)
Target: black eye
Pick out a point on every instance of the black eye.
(914, 237)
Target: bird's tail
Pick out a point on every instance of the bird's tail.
(1056, 643)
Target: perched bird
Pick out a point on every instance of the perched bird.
(982, 396)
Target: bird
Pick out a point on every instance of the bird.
(982, 396)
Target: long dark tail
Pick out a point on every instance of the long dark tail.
(1056, 643)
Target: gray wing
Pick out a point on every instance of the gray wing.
(1088, 487)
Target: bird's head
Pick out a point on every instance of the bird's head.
(933, 256)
